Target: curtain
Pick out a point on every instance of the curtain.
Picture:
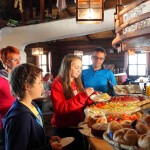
(50, 62)
(148, 63)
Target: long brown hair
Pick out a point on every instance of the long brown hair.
(64, 73)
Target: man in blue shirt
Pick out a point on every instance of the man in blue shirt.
(97, 76)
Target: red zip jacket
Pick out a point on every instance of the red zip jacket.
(67, 112)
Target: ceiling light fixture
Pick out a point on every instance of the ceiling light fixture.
(89, 11)
(37, 51)
(131, 52)
(78, 53)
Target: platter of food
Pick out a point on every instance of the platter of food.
(127, 89)
(135, 136)
(125, 99)
(100, 97)
(121, 90)
(117, 144)
(113, 108)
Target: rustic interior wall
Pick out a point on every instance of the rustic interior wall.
(59, 49)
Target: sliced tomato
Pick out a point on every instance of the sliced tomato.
(99, 105)
(110, 118)
(134, 117)
(126, 117)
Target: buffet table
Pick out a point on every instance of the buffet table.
(99, 144)
(142, 105)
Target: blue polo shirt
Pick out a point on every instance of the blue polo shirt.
(97, 79)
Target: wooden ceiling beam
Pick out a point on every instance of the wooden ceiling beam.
(50, 5)
(112, 4)
(42, 8)
(30, 9)
(22, 14)
(88, 37)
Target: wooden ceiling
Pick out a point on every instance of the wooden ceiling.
(90, 37)
(38, 11)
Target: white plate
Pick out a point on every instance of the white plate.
(93, 112)
(66, 141)
(100, 97)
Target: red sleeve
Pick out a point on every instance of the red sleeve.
(61, 104)
(89, 102)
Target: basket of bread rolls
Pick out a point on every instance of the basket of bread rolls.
(129, 136)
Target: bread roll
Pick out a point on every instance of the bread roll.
(113, 126)
(141, 128)
(126, 136)
(126, 124)
(139, 115)
(98, 129)
(146, 120)
(96, 119)
(144, 141)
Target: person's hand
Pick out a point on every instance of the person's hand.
(56, 146)
(98, 92)
(89, 91)
(54, 139)
(55, 143)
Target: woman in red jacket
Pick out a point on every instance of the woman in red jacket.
(10, 57)
(69, 99)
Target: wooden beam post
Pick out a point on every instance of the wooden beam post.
(42, 8)
(30, 10)
(50, 4)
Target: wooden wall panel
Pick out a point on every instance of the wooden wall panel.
(59, 49)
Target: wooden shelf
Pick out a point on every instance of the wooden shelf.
(136, 40)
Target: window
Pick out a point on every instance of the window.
(137, 64)
(86, 61)
(45, 62)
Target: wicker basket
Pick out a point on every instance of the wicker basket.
(118, 146)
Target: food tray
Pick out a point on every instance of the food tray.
(127, 89)
(95, 110)
(118, 146)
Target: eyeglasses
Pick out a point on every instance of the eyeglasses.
(100, 58)
(15, 60)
